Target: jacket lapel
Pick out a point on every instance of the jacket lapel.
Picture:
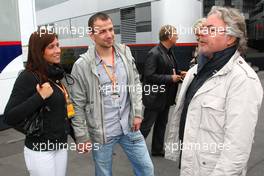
(123, 54)
(90, 59)
(164, 56)
(187, 81)
(174, 58)
(210, 84)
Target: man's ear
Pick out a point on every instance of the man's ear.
(91, 35)
(231, 40)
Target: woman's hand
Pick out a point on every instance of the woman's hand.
(45, 90)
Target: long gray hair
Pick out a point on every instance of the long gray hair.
(235, 22)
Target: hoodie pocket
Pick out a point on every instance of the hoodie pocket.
(91, 122)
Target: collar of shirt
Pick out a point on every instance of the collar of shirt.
(98, 60)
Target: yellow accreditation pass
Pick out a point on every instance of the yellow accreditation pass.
(70, 110)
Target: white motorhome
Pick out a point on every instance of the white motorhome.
(16, 23)
(136, 23)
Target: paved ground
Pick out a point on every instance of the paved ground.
(12, 161)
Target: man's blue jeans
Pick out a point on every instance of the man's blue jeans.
(136, 150)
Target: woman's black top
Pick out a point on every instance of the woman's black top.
(25, 100)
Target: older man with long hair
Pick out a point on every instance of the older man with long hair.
(214, 121)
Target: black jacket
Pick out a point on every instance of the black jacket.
(158, 69)
(25, 100)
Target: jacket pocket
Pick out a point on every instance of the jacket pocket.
(91, 121)
(135, 137)
(207, 163)
(213, 115)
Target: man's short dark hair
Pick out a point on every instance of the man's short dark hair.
(166, 32)
(99, 15)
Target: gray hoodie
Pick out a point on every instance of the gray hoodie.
(88, 123)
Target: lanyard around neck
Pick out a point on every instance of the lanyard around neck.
(69, 107)
(63, 89)
(111, 76)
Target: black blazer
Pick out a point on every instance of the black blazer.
(159, 90)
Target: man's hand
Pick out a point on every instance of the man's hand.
(176, 78)
(84, 147)
(136, 123)
(183, 74)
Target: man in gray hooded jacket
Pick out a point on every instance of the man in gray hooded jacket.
(107, 101)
